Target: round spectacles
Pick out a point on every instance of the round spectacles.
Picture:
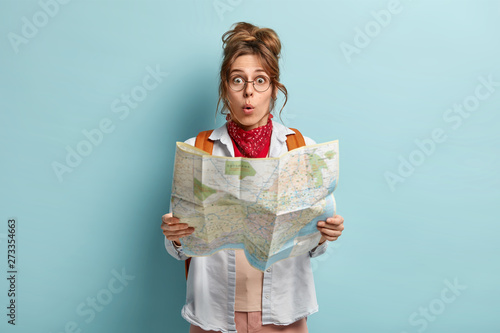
(260, 84)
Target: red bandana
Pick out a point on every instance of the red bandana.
(253, 143)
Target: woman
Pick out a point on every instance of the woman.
(225, 293)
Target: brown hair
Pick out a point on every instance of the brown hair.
(243, 39)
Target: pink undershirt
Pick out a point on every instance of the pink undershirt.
(248, 295)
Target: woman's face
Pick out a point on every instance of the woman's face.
(249, 107)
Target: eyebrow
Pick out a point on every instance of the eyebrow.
(239, 70)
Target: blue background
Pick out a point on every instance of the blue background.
(402, 245)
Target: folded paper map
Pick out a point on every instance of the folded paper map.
(267, 206)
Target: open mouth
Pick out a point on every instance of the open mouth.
(248, 108)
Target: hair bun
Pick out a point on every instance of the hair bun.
(249, 33)
(270, 39)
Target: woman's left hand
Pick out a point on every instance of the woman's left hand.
(331, 229)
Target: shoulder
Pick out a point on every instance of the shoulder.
(309, 141)
(284, 131)
(218, 134)
(190, 141)
(215, 133)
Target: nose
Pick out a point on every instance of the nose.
(248, 91)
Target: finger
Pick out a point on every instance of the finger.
(175, 236)
(329, 232)
(337, 220)
(328, 237)
(334, 227)
(166, 217)
(176, 226)
(178, 235)
(323, 223)
(188, 231)
(331, 226)
(334, 221)
(169, 219)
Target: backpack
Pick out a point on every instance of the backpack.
(204, 143)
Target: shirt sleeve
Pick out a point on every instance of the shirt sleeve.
(319, 250)
(175, 251)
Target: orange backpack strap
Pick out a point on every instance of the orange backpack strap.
(204, 143)
(295, 140)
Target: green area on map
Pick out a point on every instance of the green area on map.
(239, 168)
(317, 163)
(202, 191)
(329, 154)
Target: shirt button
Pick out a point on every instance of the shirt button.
(268, 270)
(267, 296)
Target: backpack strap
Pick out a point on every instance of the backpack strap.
(295, 140)
(204, 143)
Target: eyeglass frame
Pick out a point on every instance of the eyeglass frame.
(246, 82)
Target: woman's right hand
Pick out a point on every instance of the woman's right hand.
(173, 229)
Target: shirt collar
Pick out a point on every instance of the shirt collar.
(281, 131)
(221, 134)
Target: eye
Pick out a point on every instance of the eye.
(261, 80)
(237, 80)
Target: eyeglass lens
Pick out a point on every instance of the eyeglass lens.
(260, 83)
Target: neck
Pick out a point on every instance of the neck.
(262, 122)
